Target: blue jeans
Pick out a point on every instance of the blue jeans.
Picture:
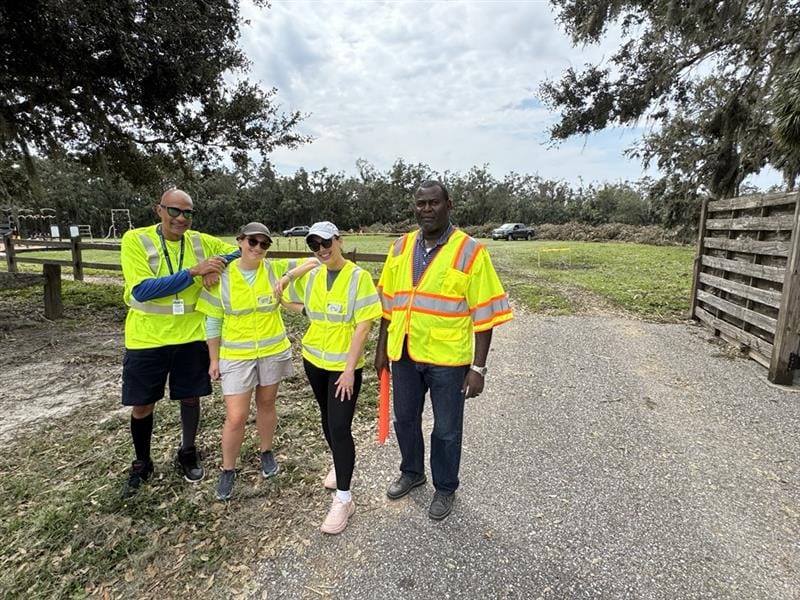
(410, 381)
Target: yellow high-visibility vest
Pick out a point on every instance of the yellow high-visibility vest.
(252, 325)
(153, 323)
(458, 294)
(334, 314)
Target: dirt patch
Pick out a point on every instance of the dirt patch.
(50, 368)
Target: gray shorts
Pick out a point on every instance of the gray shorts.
(240, 376)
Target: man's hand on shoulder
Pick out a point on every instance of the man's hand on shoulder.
(215, 265)
(210, 280)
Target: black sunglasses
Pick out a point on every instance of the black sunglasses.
(173, 211)
(253, 242)
(315, 245)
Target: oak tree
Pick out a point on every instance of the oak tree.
(703, 72)
(119, 82)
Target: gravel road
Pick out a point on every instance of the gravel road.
(608, 458)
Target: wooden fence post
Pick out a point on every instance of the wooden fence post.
(11, 260)
(77, 261)
(698, 257)
(787, 331)
(53, 306)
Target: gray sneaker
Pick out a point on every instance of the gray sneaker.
(268, 465)
(225, 485)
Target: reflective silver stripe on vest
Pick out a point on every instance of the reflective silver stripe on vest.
(153, 257)
(293, 295)
(487, 311)
(210, 298)
(253, 345)
(352, 294)
(400, 300)
(197, 244)
(366, 301)
(157, 309)
(225, 294)
(440, 305)
(386, 302)
(398, 245)
(314, 316)
(225, 289)
(468, 252)
(331, 356)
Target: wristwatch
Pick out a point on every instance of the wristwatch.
(480, 370)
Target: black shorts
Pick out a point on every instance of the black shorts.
(144, 373)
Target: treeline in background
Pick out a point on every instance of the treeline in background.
(372, 201)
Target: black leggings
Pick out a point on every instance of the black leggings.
(337, 418)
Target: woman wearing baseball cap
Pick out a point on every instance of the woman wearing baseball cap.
(341, 302)
(247, 344)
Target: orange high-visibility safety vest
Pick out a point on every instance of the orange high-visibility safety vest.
(458, 294)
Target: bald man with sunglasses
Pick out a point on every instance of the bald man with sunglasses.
(164, 266)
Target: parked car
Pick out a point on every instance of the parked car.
(297, 230)
(513, 231)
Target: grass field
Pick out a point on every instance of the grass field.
(66, 532)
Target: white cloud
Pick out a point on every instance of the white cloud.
(449, 84)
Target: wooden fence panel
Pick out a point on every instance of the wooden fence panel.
(746, 279)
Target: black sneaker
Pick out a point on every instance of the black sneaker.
(441, 506)
(225, 485)
(188, 462)
(140, 471)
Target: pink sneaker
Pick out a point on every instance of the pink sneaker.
(330, 479)
(337, 517)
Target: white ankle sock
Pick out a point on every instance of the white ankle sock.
(344, 497)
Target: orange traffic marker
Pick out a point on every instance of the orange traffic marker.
(383, 408)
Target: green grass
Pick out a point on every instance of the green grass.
(650, 281)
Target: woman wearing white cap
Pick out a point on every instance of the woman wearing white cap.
(341, 302)
(248, 346)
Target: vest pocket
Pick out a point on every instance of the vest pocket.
(454, 283)
(447, 334)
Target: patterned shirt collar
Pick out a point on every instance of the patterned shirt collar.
(440, 242)
(422, 256)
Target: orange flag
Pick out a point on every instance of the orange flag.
(383, 408)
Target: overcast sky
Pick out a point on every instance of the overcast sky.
(449, 84)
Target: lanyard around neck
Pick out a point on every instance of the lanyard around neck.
(166, 254)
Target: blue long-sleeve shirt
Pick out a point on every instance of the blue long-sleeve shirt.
(158, 287)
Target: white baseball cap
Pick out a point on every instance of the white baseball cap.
(324, 230)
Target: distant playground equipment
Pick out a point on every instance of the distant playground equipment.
(85, 231)
(120, 222)
(28, 223)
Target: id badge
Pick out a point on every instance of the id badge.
(264, 300)
(177, 306)
(334, 308)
